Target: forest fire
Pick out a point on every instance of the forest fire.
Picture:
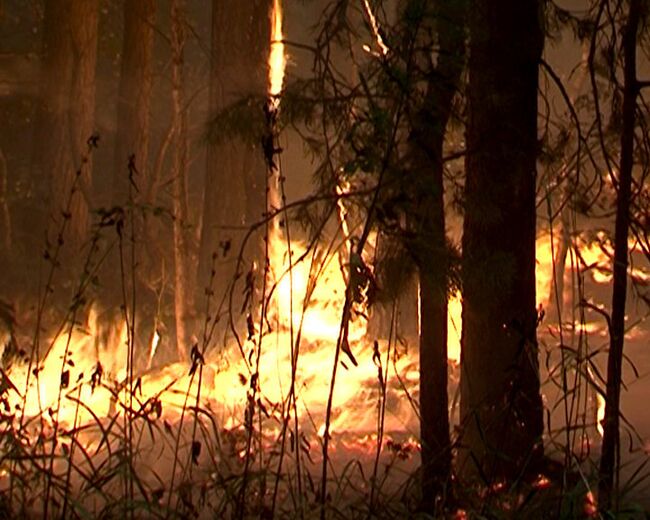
(312, 293)
(235, 290)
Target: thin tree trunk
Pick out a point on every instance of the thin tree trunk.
(182, 292)
(425, 152)
(556, 292)
(610, 459)
(67, 108)
(501, 407)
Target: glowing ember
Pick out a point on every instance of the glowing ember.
(542, 482)
(590, 505)
(460, 514)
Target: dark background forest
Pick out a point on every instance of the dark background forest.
(324, 258)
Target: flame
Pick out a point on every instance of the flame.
(64, 376)
(153, 348)
(374, 26)
(277, 65)
(600, 413)
(277, 57)
(309, 296)
(454, 326)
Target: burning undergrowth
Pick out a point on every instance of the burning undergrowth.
(86, 422)
(236, 429)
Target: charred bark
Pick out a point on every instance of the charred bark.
(610, 456)
(501, 408)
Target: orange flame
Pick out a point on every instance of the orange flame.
(277, 57)
(309, 299)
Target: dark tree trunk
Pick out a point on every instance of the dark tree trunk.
(610, 460)
(5, 216)
(134, 97)
(66, 110)
(235, 173)
(501, 408)
(425, 163)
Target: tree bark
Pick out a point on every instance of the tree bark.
(182, 291)
(66, 110)
(610, 456)
(134, 97)
(425, 154)
(501, 408)
(235, 172)
(5, 215)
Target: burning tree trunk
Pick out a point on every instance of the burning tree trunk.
(182, 291)
(501, 408)
(425, 153)
(134, 96)
(67, 107)
(609, 462)
(235, 170)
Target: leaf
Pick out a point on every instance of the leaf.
(197, 358)
(96, 376)
(65, 379)
(196, 451)
(345, 347)
(250, 326)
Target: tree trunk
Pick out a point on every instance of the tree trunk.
(66, 113)
(182, 291)
(610, 459)
(501, 408)
(134, 97)
(131, 179)
(235, 172)
(5, 216)
(425, 163)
